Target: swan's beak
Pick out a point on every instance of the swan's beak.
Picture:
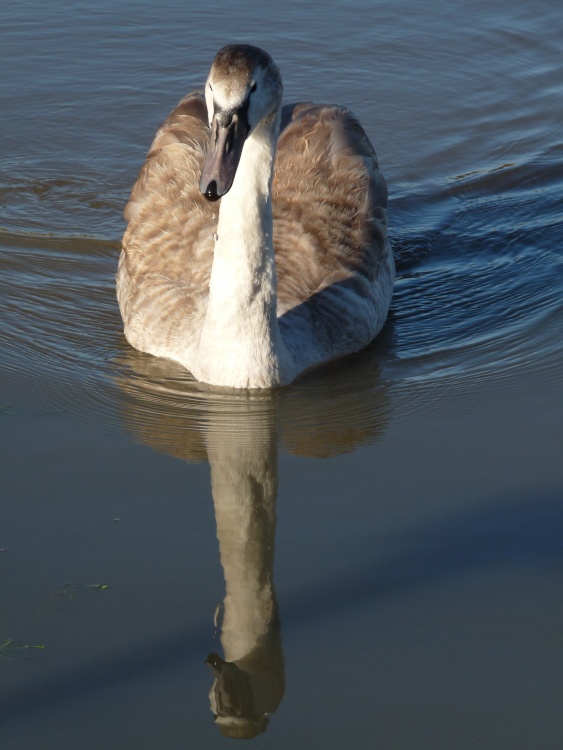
(228, 134)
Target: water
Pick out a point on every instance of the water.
(390, 556)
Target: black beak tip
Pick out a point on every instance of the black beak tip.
(210, 192)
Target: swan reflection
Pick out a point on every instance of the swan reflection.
(330, 412)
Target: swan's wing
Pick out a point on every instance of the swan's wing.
(329, 201)
(335, 269)
(163, 275)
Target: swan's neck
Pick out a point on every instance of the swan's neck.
(241, 345)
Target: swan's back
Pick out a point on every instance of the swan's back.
(334, 267)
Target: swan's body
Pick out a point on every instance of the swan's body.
(290, 269)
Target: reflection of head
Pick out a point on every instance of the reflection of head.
(236, 700)
(241, 729)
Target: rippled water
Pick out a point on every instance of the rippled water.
(418, 564)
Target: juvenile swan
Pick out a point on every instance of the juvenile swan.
(256, 244)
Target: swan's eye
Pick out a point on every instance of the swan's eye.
(253, 87)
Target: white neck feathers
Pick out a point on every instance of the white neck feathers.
(240, 344)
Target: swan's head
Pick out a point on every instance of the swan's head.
(243, 88)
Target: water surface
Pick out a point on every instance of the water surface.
(376, 551)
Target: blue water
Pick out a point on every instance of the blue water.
(414, 492)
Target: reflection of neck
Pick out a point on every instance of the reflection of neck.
(244, 484)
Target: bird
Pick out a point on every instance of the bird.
(256, 245)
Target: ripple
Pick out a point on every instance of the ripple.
(60, 323)
(479, 295)
(80, 200)
(487, 297)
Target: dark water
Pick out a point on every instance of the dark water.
(413, 494)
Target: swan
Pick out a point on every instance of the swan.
(256, 244)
